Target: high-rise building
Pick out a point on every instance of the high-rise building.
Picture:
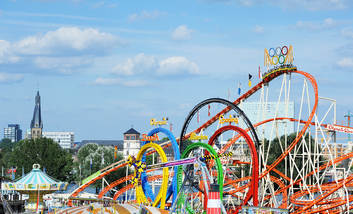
(13, 132)
(251, 109)
(36, 123)
(65, 139)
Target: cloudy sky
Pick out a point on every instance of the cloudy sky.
(103, 66)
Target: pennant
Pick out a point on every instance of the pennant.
(259, 72)
(13, 174)
(171, 127)
(102, 157)
(2, 172)
(44, 169)
(90, 163)
(115, 151)
(209, 107)
(239, 88)
(23, 171)
(198, 116)
(229, 95)
(249, 80)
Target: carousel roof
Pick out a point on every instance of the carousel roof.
(36, 176)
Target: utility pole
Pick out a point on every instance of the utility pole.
(349, 123)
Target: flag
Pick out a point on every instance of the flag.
(229, 95)
(115, 151)
(171, 127)
(2, 172)
(23, 171)
(239, 88)
(44, 169)
(13, 174)
(198, 116)
(90, 163)
(102, 157)
(209, 107)
(249, 80)
(219, 105)
(259, 72)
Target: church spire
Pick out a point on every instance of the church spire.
(37, 123)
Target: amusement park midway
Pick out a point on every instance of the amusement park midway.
(199, 106)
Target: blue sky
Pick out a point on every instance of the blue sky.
(103, 66)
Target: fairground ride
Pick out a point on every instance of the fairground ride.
(290, 174)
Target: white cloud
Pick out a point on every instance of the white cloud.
(111, 81)
(144, 65)
(258, 29)
(139, 65)
(182, 33)
(63, 51)
(345, 63)
(7, 78)
(69, 41)
(314, 26)
(177, 65)
(98, 4)
(348, 33)
(152, 15)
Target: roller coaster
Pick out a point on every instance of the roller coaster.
(294, 181)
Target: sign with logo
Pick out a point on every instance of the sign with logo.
(193, 136)
(154, 122)
(231, 119)
(150, 138)
(280, 55)
(347, 130)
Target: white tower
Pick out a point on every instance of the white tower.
(131, 143)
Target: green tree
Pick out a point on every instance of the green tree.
(184, 145)
(44, 151)
(276, 152)
(94, 152)
(6, 142)
(5, 155)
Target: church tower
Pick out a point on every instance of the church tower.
(36, 123)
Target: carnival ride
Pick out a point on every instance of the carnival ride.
(294, 180)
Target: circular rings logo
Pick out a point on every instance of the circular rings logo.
(279, 55)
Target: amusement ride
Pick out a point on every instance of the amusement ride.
(228, 166)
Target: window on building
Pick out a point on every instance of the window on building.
(127, 137)
(132, 137)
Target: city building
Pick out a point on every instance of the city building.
(131, 143)
(65, 139)
(13, 132)
(36, 123)
(335, 149)
(251, 109)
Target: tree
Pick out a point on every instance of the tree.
(94, 152)
(44, 151)
(6, 142)
(184, 145)
(276, 152)
(5, 155)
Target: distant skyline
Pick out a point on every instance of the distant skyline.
(103, 66)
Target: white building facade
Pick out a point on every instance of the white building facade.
(65, 139)
(270, 110)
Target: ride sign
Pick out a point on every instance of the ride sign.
(281, 55)
(231, 119)
(154, 122)
(340, 129)
(150, 138)
(193, 136)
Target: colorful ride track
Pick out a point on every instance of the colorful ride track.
(304, 197)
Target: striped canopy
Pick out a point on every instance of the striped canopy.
(36, 181)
